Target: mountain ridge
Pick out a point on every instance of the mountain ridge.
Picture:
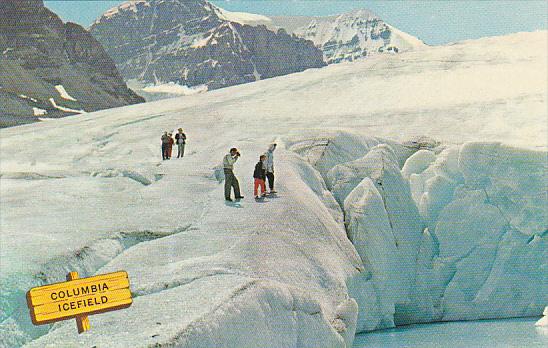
(52, 69)
(192, 43)
(349, 36)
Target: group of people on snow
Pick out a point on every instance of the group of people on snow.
(264, 169)
(168, 142)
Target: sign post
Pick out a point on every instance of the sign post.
(82, 321)
(79, 297)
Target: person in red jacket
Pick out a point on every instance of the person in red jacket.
(170, 145)
(260, 176)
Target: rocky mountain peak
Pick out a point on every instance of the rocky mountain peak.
(52, 69)
(353, 35)
(196, 43)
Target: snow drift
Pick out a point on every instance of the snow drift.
(389, 209)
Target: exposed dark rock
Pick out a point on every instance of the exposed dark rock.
(191, 43)
(39, 52)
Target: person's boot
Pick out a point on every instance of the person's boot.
(240, 197)
(228, 199)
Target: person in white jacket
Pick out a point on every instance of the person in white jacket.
(231, 182)
(270, 167)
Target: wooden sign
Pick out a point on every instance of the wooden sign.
(78, 298)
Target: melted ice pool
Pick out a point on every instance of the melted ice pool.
(484, 333)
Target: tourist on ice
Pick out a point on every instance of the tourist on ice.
(270, 166)
(260, 176)
(230, 179)
(170, 145)
(180, 140)
(165, 145)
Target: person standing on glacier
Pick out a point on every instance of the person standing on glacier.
(260, 176)
(180, 140)
(270, 167)
(165, 144)
(170, 145)
(231, 182)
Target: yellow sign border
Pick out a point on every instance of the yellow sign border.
(74, 281)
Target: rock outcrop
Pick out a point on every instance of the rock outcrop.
(52, 69)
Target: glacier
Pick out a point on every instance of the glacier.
(412, 189)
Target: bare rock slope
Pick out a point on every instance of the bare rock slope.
(50, 69)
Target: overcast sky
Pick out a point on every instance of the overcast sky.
(435, 22)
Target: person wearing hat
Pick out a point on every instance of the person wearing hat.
(180, 140)
(231, 182)
(269, 163)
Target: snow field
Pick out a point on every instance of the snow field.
(273, 277)
(242, 17)
(63, 93)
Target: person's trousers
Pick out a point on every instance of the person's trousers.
(181, 152)
(261, 183)
(270, 177)
(231, 182)
(164, 151)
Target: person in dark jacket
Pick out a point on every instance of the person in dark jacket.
(165, 144)
(180, 140)
(260, 176)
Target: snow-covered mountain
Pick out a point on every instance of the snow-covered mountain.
(348, 36)
(411, 189)
(194, 43)
(51, 69)
(345, 37)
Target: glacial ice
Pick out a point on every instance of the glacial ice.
(95, 197)
(481, 252)
(488, 223)
(418, 163)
